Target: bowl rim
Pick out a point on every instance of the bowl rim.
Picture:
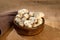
(29, 28)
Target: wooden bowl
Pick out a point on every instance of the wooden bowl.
(29, 31)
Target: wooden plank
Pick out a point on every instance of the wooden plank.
(52, 20)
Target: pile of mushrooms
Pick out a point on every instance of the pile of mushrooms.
(29, 19)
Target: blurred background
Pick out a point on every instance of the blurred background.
(51, 9)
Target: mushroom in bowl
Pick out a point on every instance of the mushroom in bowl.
(29, 23)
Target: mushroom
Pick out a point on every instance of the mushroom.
(31, 13)
(27, 23)
(23, 11)
(26, 16)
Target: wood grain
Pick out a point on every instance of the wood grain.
(52, 19)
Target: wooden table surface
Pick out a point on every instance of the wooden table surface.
(48, 33)
(52, 20)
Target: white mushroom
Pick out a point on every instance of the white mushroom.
(40, 21)
(19, 16)
(38, 15)
(33, 19)
(30, 26)
(30, 22)
(23, 19)
(27, 23)
(31, 13)
(21, 23)
(26, 15)
(17, 20)
(23, 11)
